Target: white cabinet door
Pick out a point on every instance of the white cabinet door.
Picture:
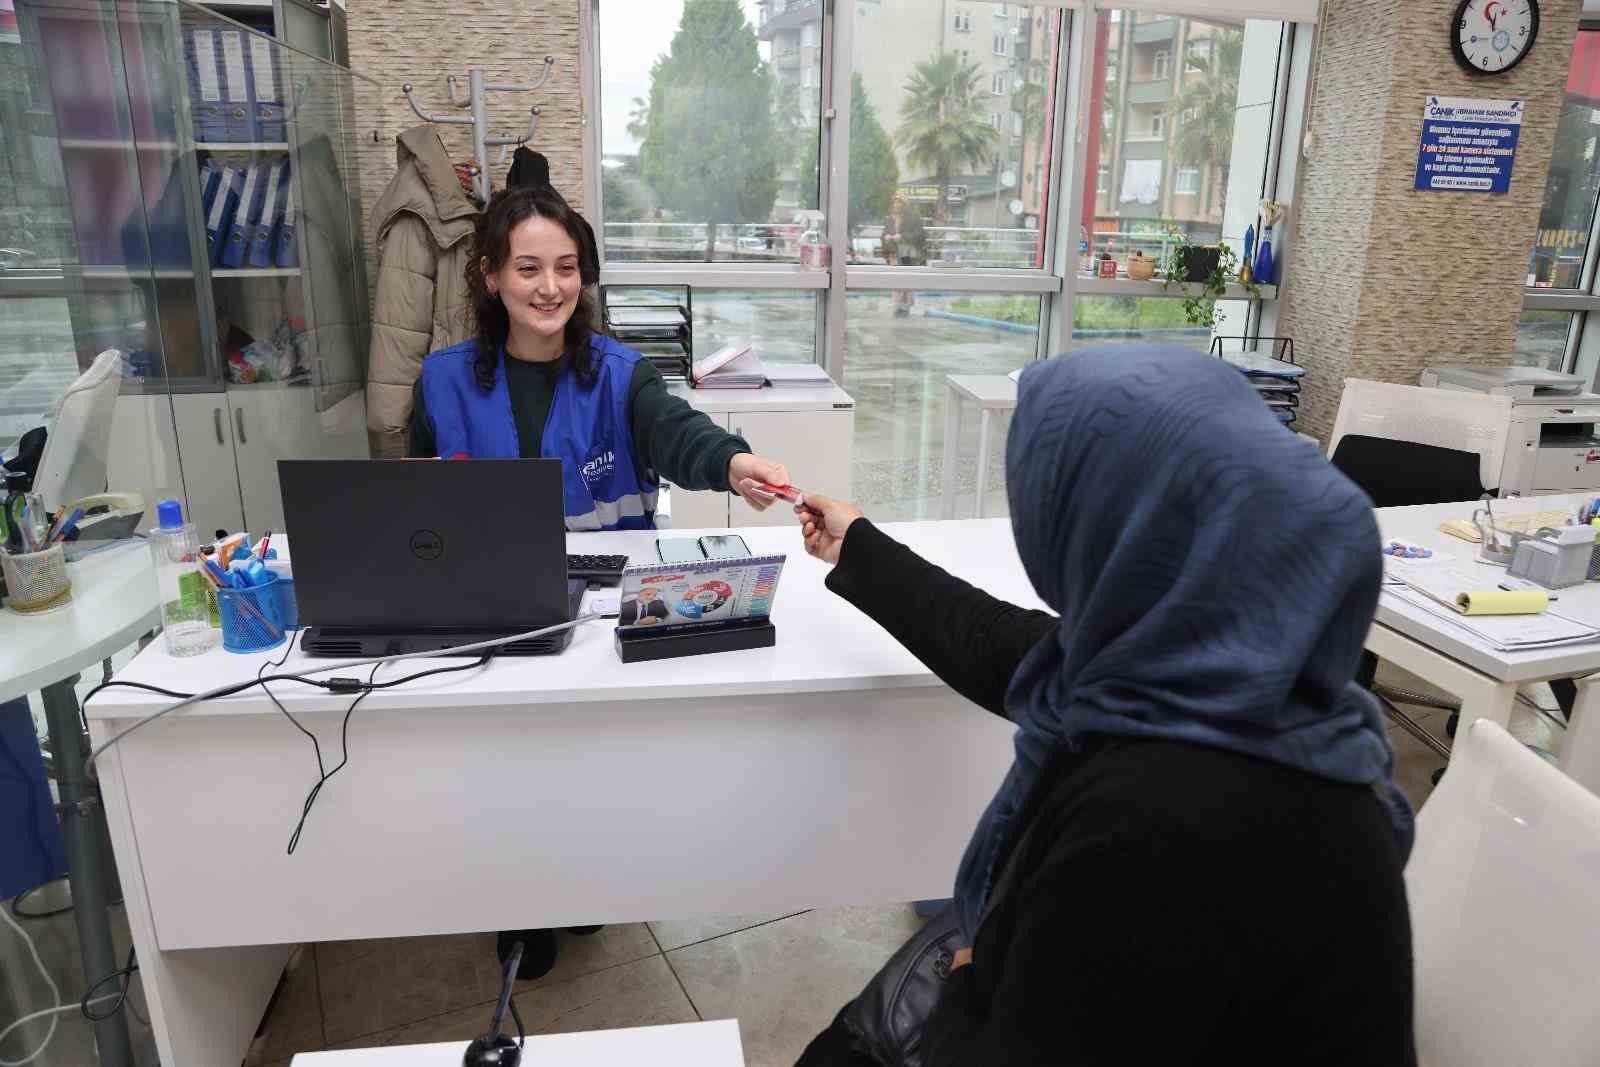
(276, 422)
(701, 509)
(144, 450)
(205, 449)
(816, 446)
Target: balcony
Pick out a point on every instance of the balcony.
(1152, 91)
(790, 15)
(1155, 32)
(786, 57)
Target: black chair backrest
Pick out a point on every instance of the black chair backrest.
(1401, 473)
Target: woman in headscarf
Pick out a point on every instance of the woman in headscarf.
(1212, 865)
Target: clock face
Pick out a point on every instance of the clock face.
(1492, 36)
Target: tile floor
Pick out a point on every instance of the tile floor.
(782, 976)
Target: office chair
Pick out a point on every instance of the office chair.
(76, 451)
(1501, 886)
(1402, 474)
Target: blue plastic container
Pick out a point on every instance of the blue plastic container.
(288, 608)
(251, 621)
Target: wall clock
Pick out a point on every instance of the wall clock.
(1492, 36)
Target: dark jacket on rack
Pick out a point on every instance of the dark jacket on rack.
(423, 225)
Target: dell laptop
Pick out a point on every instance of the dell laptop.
(394, 556)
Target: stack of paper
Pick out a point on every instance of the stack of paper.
(1277, 381)
(733, 366)
(797, 376)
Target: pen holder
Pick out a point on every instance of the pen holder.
(37, 581)
(250, 619)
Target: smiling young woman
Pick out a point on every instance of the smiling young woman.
(539, 379)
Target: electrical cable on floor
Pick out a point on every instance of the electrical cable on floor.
(55, 994)
(335, 685)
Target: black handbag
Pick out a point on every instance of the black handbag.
(887, 1018)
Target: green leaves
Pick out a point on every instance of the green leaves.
(874, 170)
(943, 127)
(711, 151)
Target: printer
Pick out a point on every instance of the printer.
(1552, 442)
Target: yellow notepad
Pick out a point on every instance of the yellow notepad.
(1466, 594)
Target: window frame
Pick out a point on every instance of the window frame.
(1057, 281)
(1582, 354)
(1178, 182)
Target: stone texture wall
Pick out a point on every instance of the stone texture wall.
(1384, 280)
(421, 41)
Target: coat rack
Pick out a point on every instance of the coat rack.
(476, 98)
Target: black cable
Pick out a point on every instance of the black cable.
(129, 969)
(344, 731)
(517, 1015)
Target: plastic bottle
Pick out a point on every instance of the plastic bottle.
(184, 614)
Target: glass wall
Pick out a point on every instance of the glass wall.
(901, 347)
(710, 113)
(951, 134)
(940, 252)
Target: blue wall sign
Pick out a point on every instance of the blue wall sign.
(1467, 144)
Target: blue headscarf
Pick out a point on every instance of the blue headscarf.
(1215, 579)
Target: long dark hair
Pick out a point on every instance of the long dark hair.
(492, 242)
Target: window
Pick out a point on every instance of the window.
(1000, 11)
(1160, 64)
(1002, 44)
(996, 119)
(963, 21)
(1197, 56)
(1542, 339)
(1016, 124)
(900, 346)
(1185, 175)
(661, 198)
(808, 35)
(1102, 320)
(999, 83)
(1102, 178)
(1562, 241)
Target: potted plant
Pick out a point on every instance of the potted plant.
(1203, 273)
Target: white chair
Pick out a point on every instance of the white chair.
(1504, 888)
(79, 443)
(1445, 418)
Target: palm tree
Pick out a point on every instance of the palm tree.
(1206, 106)
(943, 128)
(1029, 98)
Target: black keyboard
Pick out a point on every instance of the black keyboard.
(597, 570)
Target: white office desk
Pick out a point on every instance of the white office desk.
(992, 393)
(557, 791)
(709, 1044)
(1483, 677)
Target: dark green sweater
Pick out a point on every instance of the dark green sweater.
(670, 438)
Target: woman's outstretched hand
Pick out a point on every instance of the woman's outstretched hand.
(824, 522)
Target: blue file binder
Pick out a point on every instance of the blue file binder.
(287, 247)
(205, 85)
(266, 90)
(266, 228)
(243, 228)
(220, 218)
(241, 123)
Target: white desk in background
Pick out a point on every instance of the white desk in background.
(708, 1044)
(555, 791)
(992, 393)
(1484, 678)
(114, 603)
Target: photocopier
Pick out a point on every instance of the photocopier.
(1552, 442)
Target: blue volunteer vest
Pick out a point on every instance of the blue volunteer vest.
(590, 430)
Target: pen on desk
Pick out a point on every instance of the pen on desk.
(70, 523)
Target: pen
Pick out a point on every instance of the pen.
(66, 527)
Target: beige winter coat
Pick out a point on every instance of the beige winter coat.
(424, 232)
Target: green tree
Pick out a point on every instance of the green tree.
(639, 119)
(710, 150)
(1029, 99)
(1205, 137)
(874, 171)
(800, 141)
(943, 128)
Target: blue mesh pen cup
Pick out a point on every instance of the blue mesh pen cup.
(250, 618)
